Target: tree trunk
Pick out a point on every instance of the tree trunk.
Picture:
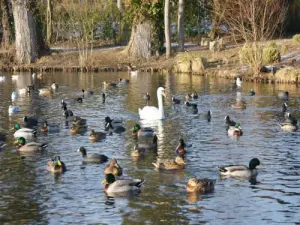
(5, 23)
(167, 28)
(119, 5)
(140, 41)
(49, 20)
(181, 25)
(27, 47)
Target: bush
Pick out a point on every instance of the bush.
(283, 49)
(296, 38)
(251, 55)
(271, 53)
(190, 63)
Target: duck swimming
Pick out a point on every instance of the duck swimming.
(114, 168)
(240, 170)
(55, 165)
(96, 136)
(114, 186)
(27, 133)
(45, 128)
(29, 147)
(138, 131)
(92, 157)
(200, 185)
(175, 100)
(252, 92)
(235, 130)
(168, 164)
(180, 149)
(30, 122)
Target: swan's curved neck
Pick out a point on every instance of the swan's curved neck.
(160, 105)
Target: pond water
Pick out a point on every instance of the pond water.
(29, 194)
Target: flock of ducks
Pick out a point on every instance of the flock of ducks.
(146, 138)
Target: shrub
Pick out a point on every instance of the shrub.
(271, 53)
(190, 63)
(251, 55)
(283, 49)
(296, 38)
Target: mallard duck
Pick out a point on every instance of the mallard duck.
(142, 132)
(133, 71)
(284, 95)
(13, 109)
(170, 164)
(239, 105)
(229, 122)
(142, 147)
(30, 122)
(114, 168)
(92, 157)
(113, 185)
(200, 185)
(29, 147)
(180, 149)
(96, 136)
(45, 128)
(54, 86)
(175, 100)
(55, 165)
(252, 92)
(109, 84)
(27, 133)
(78, 129)
(235, 130)
(45, 91)
(240, 170)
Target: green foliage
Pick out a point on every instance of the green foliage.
(283, 49)
(296, 38)
(271, 53)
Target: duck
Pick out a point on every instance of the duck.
(14, 96)
(289, 124)
(235, 130)
(194, 95)
(238, 82)
(45, 128)
(96, 136)
(114, 186)
(112, 128)
(146, 146)
(229, 122)
(169, 164)
(151, 112)
(79, 99)
(195, 185)
(239, 105)
(54, 85)
(147, 96)
(29, 122)
(92, 157)
(252, 92)
(114, 168)
(2, 78)
(107, 120)
(109, 84)
(175, 100)
(67, 112)
(290, 119)
(13, 109)
(240, 170)
(180, 149)
(78, 129)
(27, 133)
(77, 121)
(284, 95)
(188, 97)
(63, 104)
(24, 91)
(188, 104)
(138, 131)
(29, 147)
(45, 91)
(208, 115)
(55, 165)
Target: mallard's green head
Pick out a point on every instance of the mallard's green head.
(20, 141)
(254, 163)
(17, 126)
(56, 161)
(238, 126)
(136, 128)
(110, 178)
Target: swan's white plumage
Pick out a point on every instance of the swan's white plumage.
(151, 112)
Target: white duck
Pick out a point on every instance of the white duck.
(151, 112)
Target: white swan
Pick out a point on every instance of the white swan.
(151, 112)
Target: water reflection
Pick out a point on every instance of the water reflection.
(32, 195)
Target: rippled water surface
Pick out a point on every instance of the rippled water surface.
(29, 194)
